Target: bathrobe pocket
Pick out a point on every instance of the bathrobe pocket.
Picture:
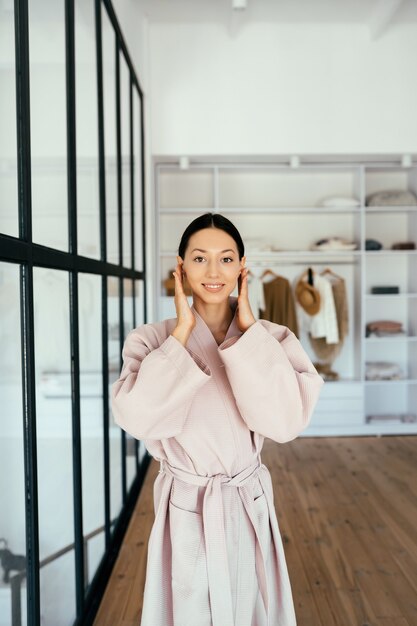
(188, 567)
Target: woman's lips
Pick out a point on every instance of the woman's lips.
(212, 289)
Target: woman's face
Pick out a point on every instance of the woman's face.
(212, 257)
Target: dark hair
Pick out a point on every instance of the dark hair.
(211, 220)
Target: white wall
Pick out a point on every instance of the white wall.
(297, 88)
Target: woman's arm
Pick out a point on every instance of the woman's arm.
(275, 384)
(151, 398)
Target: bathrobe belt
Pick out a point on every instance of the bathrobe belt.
(214, 534)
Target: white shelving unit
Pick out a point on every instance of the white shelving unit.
(280, 206)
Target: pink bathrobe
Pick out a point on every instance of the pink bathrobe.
(215, 554)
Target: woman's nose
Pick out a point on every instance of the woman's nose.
(213, 269)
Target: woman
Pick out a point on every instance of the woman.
(203, 390)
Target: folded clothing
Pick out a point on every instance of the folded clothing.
(390, 325)
(391, 197)
(403, 245)
(387, 417)
(384, 289)
(385, 333)
(384, 328)
(383, 370)
(373, 244)
(333, 243)
(339, 201)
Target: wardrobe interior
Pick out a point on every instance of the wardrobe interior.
(331, 248)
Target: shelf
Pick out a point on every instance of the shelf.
(389, 252)
(394, 381)
(399, 338)
(390, 295)
(313, 210)
(390, 209)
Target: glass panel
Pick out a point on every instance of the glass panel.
(128, 325)
(8, 148)
(95, 549)
(109, 90)
(87, 130)
(48, 122)
(114, 371)
(139, 303)
(91, 383)
(54, 438)
(137, 178)
(57, 585)
(128, 306)
(12, 481)
(126, 193)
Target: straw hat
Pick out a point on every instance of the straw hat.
(308, 297)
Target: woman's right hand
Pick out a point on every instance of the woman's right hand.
(185, 317)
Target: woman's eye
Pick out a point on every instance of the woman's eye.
(200, 257)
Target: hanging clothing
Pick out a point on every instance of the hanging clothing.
(327, 352)
(215, 554)
(256, 295)
(280, 304)
(323, 323)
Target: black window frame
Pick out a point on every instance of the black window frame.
(23, 251)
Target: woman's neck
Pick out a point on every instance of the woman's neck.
(218, 316)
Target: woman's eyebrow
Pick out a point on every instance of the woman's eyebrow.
(201, 250)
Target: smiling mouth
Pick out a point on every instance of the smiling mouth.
(213, 286)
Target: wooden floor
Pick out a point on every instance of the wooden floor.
(347, 512)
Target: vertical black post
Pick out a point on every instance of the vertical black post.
(26, 311)
(73, 298)
(119, 151)
(103, 254)
(120, 222)
(142, 161)
(132, 220)
(131, 176)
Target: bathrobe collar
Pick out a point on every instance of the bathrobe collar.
(202, 328)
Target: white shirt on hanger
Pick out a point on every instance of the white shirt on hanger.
(256, 295)
(324, 323)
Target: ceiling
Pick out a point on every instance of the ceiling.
(377, 15)
(285, 11)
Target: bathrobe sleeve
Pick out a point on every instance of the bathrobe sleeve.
(275, 385)
(152, 396)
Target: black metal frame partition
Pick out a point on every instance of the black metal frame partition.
(23, 251)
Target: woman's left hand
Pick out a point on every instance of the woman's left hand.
(245, 317)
